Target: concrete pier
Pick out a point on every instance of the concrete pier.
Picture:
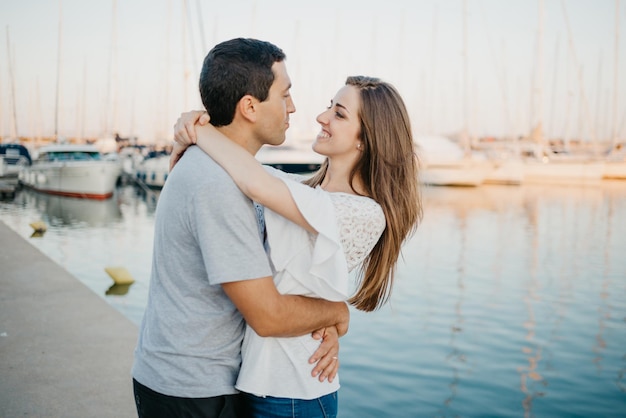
(64, 352)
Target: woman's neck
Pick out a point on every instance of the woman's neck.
(337, 179)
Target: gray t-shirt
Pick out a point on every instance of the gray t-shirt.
(206, 233)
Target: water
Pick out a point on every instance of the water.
(510, 301)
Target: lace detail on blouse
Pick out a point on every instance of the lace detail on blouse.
(361, 222)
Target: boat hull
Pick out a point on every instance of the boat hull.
(563, 171)
(153, 172)
(8, 170)
(462, 173)
(615, 170)
(445, 163)
(13, 157)
(289, 159)
(507, 171)
(83, 179)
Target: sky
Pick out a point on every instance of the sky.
(486, 66)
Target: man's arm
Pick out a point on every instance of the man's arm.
(271, 314)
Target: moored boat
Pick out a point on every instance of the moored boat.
(290, 159)
(504, 156)
(446, 164)
(507, 170)
(72, 170)
(12, 158)
(569, 169)
(615, 163)
(153, 170)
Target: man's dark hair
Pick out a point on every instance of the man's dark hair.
(233, 69)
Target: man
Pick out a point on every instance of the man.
(209, 266)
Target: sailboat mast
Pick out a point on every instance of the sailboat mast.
(465, 83)
(433, 71)
(12, 76)
(184, 51)
(614, 132)
(38, 111)
(163, 129)
(541, 69)
(110, 118)
(201, 27)
(555, 76)
(596, 123)
(1, 113)
(83, 107)
(58, 91)
(536, 87)
(583, 97)
(192, 43)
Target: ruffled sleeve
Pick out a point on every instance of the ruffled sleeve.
(318, 264)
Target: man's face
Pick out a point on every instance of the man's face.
(273, 119)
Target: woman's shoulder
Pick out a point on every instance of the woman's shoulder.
(361, 222)
(354, 200)
(359, 207)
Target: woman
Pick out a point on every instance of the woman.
(355, 212)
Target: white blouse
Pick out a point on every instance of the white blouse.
(312, 265)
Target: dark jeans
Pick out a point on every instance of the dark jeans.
(151, 404)
(269, 407)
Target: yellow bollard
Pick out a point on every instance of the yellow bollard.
(39, 226)
(120, 275)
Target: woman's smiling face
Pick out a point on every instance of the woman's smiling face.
(340, 125)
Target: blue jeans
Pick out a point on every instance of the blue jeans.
(269, 407)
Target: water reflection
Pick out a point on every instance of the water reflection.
(508, 302)
(118, 289)
(457, 358)
(37, 234)
(530, 376)
(551, 259)
(149, 197)
(68, 211)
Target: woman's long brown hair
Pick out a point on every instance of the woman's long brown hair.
(388, 168)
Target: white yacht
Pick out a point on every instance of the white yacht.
(444, 163)
(72, 170)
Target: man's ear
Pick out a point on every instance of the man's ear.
(247, 107)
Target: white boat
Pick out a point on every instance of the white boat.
(152, 172)
(72, 170)
(508, 167)
(506, 170)
(543, 165)
(290, 158)
(106, 144)
(444, 163)
(615, 163)
(563, 168)
(131, 157)
(615, 170)
(13, 157)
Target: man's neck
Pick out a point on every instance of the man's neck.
(241, 137)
